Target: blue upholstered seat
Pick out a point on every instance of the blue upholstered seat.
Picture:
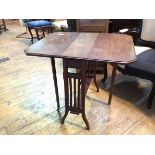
(39, 23)
(39, 26)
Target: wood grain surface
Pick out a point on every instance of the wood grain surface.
(28, 105)
(116, 48)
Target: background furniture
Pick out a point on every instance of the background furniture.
(77, 49)
(71, 25)
(94, 25)
(144, 67)
(57, 25)
(39, 25)
(23, 23)
(125, 26)
(146, 33)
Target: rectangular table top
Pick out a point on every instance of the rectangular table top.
(106, 47)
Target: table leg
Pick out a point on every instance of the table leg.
(91, 72)
(55, 82)
(105, 72)
(94, 64)
(65, 73)
(83, 93)
(112, 83)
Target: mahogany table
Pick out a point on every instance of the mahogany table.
(81, 51)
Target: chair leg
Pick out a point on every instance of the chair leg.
(43, 32)
(29, 29)
(151, 96)
(105, 72)
(36, 29)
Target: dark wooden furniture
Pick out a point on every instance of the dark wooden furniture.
(132, 27)
(3, 25)
(144, 67)
(94, 25)
(77, 50)
(118, 24)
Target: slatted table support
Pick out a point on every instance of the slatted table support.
(76, 86)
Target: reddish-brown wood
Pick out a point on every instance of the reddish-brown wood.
(75, 48)
(75, 93)
(55, 82)
(107, 47)
(112, 83)
(92, 25)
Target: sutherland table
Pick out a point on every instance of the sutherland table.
(81, 51)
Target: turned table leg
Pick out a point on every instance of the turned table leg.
(112, 82)
(105, 72)
(65, 76)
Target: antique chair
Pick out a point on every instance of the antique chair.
(39, 25)
(123, 26)
(70, 26)
(144, 67)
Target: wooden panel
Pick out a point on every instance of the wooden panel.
(93, 29)
(92, 22)
(92, 25)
